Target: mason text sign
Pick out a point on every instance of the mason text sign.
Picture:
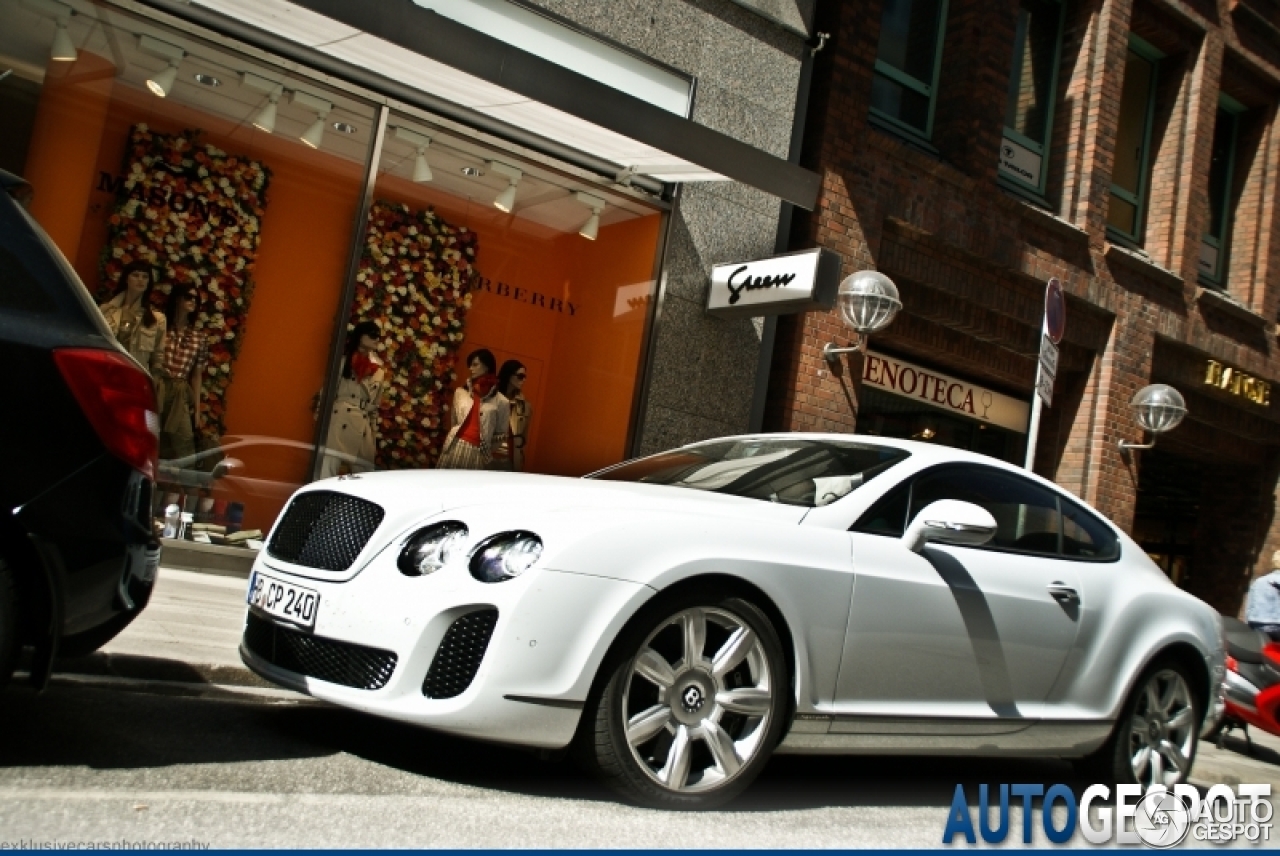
(795, 282)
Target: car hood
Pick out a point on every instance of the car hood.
(422, 493)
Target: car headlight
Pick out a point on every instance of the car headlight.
(431, 549)
(505, 556)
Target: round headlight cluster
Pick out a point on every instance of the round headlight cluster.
(505, 556)
(431, 549)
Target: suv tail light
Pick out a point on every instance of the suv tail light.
(119, 402)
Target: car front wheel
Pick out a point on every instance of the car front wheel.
(694, 703)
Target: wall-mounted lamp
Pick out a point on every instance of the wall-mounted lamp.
(506, 199)
(1158, 408)
(420, 142)
(868, 301)
(62, 49)
(590, 229)
(161, 84)
(314, 135)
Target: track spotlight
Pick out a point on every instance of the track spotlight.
(63, 49)
(161, 84)
(266, 118)
(420, 142)
(314, 135)
(590, 229)
(506, 200)
(421, 169)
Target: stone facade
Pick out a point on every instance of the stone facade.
(702, 370)
(971, 257)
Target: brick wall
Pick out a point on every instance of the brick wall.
(971, 258)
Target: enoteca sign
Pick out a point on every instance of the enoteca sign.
(795, 282)
(943, 391)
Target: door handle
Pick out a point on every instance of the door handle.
(1062, 592)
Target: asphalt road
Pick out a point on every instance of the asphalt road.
(121, 759)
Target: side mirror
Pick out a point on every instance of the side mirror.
(950, 521)
(224, 467)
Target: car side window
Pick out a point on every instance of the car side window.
(888, 515)
(1084, 536)
(1026, 514)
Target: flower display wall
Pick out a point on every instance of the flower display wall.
(415, 281)
(195, 213)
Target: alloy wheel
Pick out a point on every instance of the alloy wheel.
(698, 700)
(1162, 730)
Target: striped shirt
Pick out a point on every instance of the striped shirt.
(183, 351)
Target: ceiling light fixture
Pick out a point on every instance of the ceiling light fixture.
(591, 228)
(472, 171)
(266, 118)
(344, 127)
(314, 135)
(420, 142)
(62, 49)
(207, 80)
(506, 199)
(162, 84)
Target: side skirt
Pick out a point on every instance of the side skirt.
(819, 734)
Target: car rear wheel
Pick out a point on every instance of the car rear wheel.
(8, 623)
(1155, 740)
(693, 706)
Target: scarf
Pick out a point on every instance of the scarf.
(363, 365)
(480, 389)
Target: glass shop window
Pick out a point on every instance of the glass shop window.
(499, 315)
(1028, 122)
(207, 199)
(908, 62)
(1130, 176)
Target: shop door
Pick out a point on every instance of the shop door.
(1168, 508)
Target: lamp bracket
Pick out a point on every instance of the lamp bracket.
(257, 83)
(510, 173)
(595, 203)
(415, 139)
(311, 102)
(160, 49)
(831, 352)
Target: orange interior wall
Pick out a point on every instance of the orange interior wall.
(63, 155)
(299, 274)
(582, 367)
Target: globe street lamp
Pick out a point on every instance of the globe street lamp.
(868, 301)
(1158, 408)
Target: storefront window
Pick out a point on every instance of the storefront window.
(486, 279)
(229, 189)
(1028, 120)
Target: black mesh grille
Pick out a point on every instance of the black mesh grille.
(458, 658)
(316, 657)
(324, 530)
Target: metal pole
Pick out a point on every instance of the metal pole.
(1033, 430)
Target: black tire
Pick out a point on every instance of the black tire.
(8, 623)
(621, 692)
(1113, 761)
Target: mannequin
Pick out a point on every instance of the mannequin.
(133, 321)
(508, 452)
(480, 414)
(352, 444)
(180, 375)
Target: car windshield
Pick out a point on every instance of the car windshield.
(792, 471)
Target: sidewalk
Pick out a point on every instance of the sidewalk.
(190, 633)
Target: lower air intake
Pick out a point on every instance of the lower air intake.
(458, 658)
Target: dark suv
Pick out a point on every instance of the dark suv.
(78, 447)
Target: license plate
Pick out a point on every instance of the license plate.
(280, 599)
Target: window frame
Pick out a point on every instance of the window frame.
(911, 480)
(1221, 242)
(1153, 55)
(1012, 182)
(928, 90)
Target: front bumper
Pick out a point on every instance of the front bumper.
(551, 634)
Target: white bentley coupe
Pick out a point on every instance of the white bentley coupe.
(679, 618)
